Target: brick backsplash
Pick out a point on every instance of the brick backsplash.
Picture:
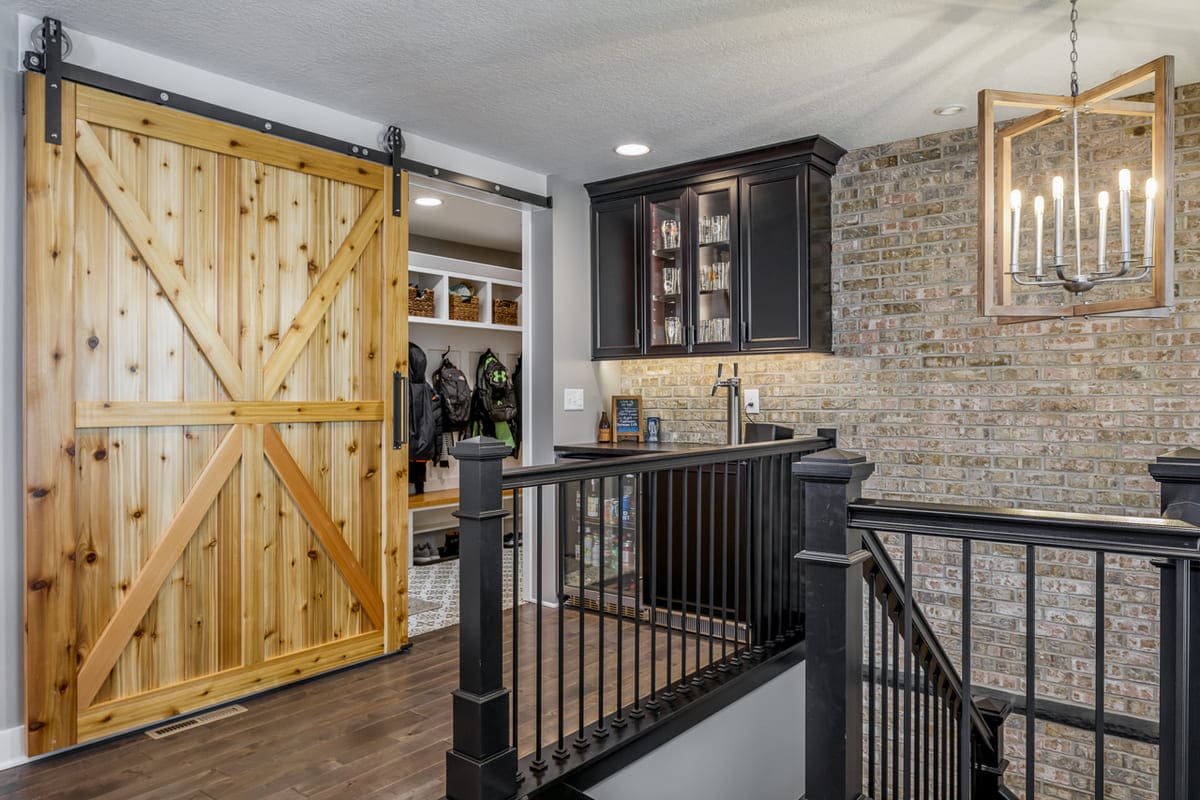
(953, 407)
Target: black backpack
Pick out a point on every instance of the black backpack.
(495, 400)
(425, 413)
(454, 391)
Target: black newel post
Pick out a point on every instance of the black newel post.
(987, 774)
(1178, 474)
(833, 599)
(482, 764)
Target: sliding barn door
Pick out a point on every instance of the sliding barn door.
(214, 505)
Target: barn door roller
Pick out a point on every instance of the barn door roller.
(49, 37)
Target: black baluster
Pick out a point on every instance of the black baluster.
(741, 610)
(619, 720)
(885, 620)
(682, 687)
(652, 566)
(697, 679)
(908, 666)
(668, 685)
(601, 731)
(926, 765)
(1099, 674)
(725, 568)
(936, 699)
(770, 548)
(871, 737)
(560, 748)
(582, 741)
(516, 624)
(709, 671)
(639, 529)
(897, 766)
(538, 764)
(1030, 669)
(756, 530)
(964, 726)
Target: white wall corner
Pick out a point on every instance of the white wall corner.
(12, 747)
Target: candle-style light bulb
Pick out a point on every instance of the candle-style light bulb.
(1014, 201)
(1057, 191)
(1148, 250)
(1039, 211)
(1123, 181)
(1102, 243)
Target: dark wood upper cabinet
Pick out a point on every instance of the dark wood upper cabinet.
(616, 278)
(719, 256)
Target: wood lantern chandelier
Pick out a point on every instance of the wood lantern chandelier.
(1013, 275)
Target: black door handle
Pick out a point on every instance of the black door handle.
(399, 411)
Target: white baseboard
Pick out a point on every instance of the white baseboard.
(12, 747)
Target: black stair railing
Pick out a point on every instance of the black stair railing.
(926, 730)
(657, 583)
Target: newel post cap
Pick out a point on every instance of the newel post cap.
(833, 465)
(480, 448)
(1177, 466)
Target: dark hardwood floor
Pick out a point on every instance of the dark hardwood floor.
(378, 730)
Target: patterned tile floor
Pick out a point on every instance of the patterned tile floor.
(438, 583)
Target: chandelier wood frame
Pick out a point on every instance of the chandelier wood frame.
(995, 184)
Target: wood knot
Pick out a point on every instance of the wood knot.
(139, 633)
(136, 513)
(91, 557)
(57, 355)
(312, 554)
(38, 492)
(36, 725)
(93, 341)
(70, 449)
(100, 454)
(38, 585)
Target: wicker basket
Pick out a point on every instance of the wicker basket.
(504, 312)
(420, 302)
(464, 309)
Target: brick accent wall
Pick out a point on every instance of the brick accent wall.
(952, 407)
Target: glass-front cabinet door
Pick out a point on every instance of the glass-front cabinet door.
(714, 255)
(667, 275)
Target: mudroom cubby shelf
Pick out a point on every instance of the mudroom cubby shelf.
(487, 282)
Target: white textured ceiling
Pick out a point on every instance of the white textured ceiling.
(553, 86)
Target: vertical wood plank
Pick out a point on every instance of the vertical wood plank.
(161, 647)
(90, 306)
(368, 541)
(128, 279)
(50, 654)
(395, 358)
(254, 519)
(200, 622)
(229, 510)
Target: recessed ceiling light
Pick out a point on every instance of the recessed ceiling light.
(428, 201)
(949, 111)
(632, 149)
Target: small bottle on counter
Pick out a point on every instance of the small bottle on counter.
(603, 430)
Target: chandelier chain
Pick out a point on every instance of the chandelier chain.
(1074, 52)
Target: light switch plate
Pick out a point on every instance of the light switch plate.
(572, 399)
(750, 396)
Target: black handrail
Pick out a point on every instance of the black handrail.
(524, 477)
(1151, 537)
(923, 633)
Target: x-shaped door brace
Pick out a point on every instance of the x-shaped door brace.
(246, 410)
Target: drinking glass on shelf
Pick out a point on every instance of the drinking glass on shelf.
(671, 328)
(670, 280)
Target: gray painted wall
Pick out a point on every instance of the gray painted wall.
(573, 367)
(467, 252)
(753, 748)
(11, 498)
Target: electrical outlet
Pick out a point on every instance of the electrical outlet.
(572, 399)
(750, 396)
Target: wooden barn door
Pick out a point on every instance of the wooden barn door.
(214, 505)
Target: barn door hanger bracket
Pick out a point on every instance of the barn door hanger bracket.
(50, 38)
(394, 140)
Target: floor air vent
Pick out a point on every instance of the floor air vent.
(182, 725)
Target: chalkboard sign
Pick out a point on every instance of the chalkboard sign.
(627, 417)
